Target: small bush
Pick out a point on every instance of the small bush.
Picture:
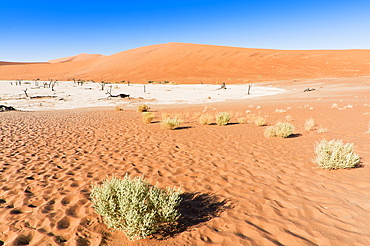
(368, 126)
(242, 120)
(205, 119)
(309, 124)
(281, 129)
(334, 155)
(260, 121)
(222, 119)
(134, 206)
(119, 108)
(143, 108)
(147, 117)
(322, 129)
(170, 123)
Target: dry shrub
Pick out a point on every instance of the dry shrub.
(309, 124)
(223, 118)
(147, 117)
(322, 129)
(281, 129)
(143, 108)
(206, 119)
(119, 108)
(134, 206)
(242, 120)
(334, 155)
(170, 123)
(260, 120)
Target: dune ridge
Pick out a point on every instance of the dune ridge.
(80, 57)
(193, 63)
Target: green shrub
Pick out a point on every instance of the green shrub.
(334, 155)
(222, 119)
(281, 129)
(147, 117)
(143, 108)
(134, 206)
(170, 123)
(206, 119)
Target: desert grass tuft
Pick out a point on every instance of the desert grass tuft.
(119, 108)
(242, 120)
(260, 120)
(206, 119)
(322, 129)
(281, 129)
(171, 123)
(335, 155)
(147, 117)
(143, 108)
(223, 118)
(309, 124)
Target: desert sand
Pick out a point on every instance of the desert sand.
(239, 187)
(194, 63)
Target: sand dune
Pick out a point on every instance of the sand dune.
(80, 57)
(192, 63)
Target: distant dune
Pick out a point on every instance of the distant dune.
(192, 63)
(80, 57)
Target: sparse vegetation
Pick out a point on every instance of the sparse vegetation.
(119, 108)
(206, 119)
(147, 117)
(260, 120)
(242, 120)
(281, 129)
(143, 108)
(334, 155)
(170, 123)
(223, 119)
(368, 126)
(309, 124)
(134, 206)
(322, 129)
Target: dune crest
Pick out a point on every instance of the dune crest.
(80, 57)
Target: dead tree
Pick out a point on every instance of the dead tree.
(25, 92)
(102, 84)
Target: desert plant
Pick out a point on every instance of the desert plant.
(222, 118)
(322, 129)
(143, 108)
(170, 123)
(309, 124)
(205, 119)
(134, 206)
(334, 155)
(119, 108)
(368, 126)
(260, 121)
(281, 129)
(242, 120)
(147, 117)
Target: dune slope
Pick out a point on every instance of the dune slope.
(192, 63)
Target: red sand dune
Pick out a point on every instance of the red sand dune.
(192, 63)
(80, 57)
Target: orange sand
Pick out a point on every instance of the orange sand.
(240, 187)
(249, 190)
(192, 63)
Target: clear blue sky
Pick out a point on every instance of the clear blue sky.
(43, 30)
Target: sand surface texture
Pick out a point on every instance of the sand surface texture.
(240, 188)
